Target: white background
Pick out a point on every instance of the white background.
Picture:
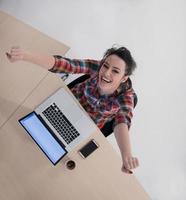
(155, 33)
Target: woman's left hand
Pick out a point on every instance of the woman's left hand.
(129, 163)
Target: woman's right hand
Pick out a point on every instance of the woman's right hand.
(16, 54)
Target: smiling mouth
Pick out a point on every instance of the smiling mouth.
(105, 80)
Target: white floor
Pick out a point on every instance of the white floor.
(154, 31)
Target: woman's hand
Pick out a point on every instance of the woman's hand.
(16, 54)
(129, 163)
(122, 137)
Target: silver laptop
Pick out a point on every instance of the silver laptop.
(62, 117)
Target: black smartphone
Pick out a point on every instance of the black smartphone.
(88, 148)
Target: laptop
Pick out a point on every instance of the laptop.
(58, 125)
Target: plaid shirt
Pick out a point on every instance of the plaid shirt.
(101, 108)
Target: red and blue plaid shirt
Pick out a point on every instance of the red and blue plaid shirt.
(101, 108)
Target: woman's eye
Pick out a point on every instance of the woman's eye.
(115, 71)
(105, 66)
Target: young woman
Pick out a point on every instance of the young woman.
(107, 95)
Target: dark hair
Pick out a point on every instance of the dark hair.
(125, 55)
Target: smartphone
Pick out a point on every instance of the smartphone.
(90, 147)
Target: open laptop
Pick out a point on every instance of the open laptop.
(58, 125)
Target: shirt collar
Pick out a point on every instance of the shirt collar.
(124, 86)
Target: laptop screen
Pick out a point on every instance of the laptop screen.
(43, 137)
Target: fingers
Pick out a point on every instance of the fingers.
(8, 55)
(126, 170)
(15, 54)
(12, 57)
(129, 164)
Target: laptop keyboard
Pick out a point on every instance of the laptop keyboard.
(61, 124)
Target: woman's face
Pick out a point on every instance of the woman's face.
(111, 74)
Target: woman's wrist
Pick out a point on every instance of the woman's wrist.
(27, 56)
(126, 157)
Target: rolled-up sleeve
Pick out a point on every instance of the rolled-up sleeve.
(125, 113)
(74, 66)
